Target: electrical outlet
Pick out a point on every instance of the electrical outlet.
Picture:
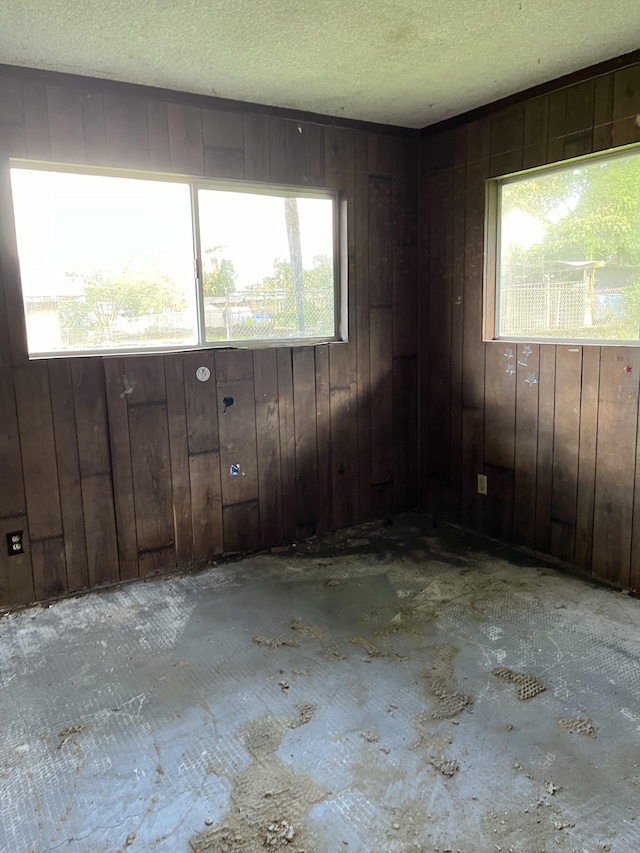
(482, 484)
(14, 543)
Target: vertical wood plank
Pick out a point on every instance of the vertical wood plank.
(440, 193)
(185, 139)
(297, 163)
(66, 441)
(499, 438)
(265, 372)
(151, 471)
(306, 441)
(277, 151)
(238, 453)
(566, 434)
(345, 154)
(95, 131)
(204, 456)
(49, 569)
(36, 120)
(126, 131)
(473, 348)
(382, 396)
(38, 450)
(544, 469)
(100, 529)
(65, 124)
(12, 496)
(287, 442)
(89, 394)
(241, 524)
(158, 126)
(206, 501)
(223, 138)
(457, 329)
(117, 386)
(526, 443)
(94, 457)
(323, 429)
(256, 147)
(405, 433)
(181, 489)
(615, 473)
(590, 384)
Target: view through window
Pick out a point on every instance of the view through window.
(568, 251)
(113, 262)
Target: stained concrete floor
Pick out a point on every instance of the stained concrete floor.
(340, 696)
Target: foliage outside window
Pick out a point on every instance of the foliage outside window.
(565, 242)
(119, 262)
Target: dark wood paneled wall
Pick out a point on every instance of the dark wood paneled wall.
(117, 468)
(560, 456)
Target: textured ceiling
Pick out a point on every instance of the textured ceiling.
(406, 62)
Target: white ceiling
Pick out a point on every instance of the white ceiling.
(406, 62)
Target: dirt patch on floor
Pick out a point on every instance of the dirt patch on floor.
(275, 643)
(305, 629)
(269, 802)
(305, 715)
(578, 726)
(447, 766)
(527, 686)
(333, 652)
(374, 651)
(540, 826)
(447, 701)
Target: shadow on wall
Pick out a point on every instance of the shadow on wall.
(138, 465)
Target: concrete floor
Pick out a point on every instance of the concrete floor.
(337, 697)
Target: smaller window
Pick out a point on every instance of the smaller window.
(133, 262)
(563, 252)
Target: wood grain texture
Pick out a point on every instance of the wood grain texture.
(118, 467)
(556, 483)
(66, 439)
(615, 468)
(566, 442)
(265, 384)
(116, 390)
(526, 447)
(37, 442)
(151, 470)
(306, 439)
(589, 391)
(181, 488)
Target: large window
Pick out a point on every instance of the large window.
(563, 252)
(129, 262)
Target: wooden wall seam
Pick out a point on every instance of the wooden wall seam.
(135, 451)
(561, 455)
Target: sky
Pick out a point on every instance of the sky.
(70, 223)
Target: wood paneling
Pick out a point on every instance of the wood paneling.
(559, 451)
(116, 468)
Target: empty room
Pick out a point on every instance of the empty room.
(319, 427)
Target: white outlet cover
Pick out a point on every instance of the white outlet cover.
(203, 373)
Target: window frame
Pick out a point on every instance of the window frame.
(492, 249)
(195, 184)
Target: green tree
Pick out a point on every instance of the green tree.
(588, 213)
(128, 294)
(317, 295)
(220, 275)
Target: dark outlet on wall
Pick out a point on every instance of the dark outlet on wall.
(14, 543)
